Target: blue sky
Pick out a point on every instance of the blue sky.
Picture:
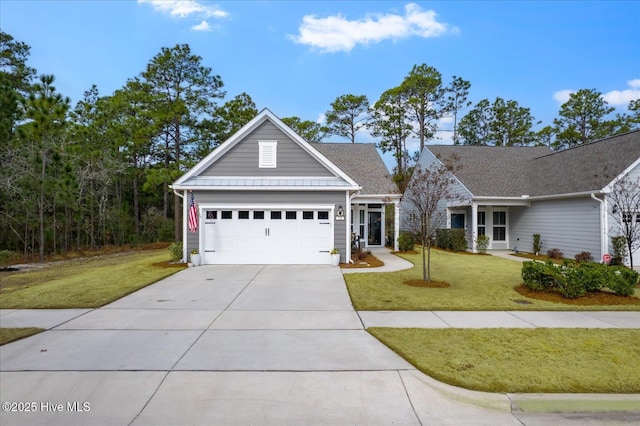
(296, 57)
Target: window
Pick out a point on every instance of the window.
(499, 226)
(306, 215)
(361, 227)
(226, 214)
(276, 215)
(212, 214)
(324, 215)
(243, 214)
(482, 217)
(291, 215)
(258, 214)
(267, 154)
(627, 217)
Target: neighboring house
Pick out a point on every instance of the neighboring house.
(266, 196)
(510, 193)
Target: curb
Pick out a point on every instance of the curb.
(571, 403)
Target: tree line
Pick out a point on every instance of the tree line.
(98, 173)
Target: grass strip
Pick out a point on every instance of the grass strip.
(476, 283)
(83, 283)
(8, 335)
(523, 360)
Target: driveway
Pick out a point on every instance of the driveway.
(227, 345)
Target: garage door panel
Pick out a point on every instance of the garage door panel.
(286, 236)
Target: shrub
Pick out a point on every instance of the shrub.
(539, 276)
(7, 258)
(482, 243)
(584, 256)
(443, 238)
(175, 250)
(619, 246)
(537, 243)
(576, 280)
(555, 253)
(572, 285)
(406, 241)
(622, 280)
(458, 240)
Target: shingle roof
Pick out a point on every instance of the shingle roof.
(491, 170)
(537, 171)
(362, 163)
(584, 168)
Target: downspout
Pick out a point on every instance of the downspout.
(603, 224)
(184, 221)
(348, 225)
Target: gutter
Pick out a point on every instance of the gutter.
(603, 224)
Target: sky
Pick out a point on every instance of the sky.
(296, 57)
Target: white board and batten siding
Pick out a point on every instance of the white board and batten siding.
(571, 225)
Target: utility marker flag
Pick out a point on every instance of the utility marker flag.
(193, 215)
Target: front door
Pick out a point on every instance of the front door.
(375, 229)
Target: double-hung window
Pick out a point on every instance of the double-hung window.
(499, 226)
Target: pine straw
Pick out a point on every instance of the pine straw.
(595, 298)
(368, 262)
(427, 284)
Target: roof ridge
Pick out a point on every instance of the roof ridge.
(573, 148)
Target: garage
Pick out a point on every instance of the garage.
(266, 234)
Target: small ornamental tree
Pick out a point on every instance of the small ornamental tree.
(427, 188)
(625, 203)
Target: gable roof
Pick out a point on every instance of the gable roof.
(192, 179)
(362, 163)
(489, 171)
(492, 171)
(589, 167)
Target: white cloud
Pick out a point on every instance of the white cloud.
(185, 8)
(322, 118)
(623, 97)
(614, 98)
(562, 96)
(336, 33)
(202, 26)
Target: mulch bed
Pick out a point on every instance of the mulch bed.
(170, 265)
(590, 299)
(427, 284)
(368, 262)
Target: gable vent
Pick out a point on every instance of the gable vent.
(267, 154)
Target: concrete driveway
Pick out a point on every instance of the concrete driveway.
(227, 345)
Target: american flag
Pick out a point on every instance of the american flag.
(193, 215)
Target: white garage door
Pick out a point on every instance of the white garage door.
(266, 236)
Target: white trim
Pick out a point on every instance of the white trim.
(263, 116)
(609, 186)
(270, 188)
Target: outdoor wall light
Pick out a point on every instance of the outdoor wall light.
(340, 211)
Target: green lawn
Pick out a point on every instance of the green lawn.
(83, 283)
(477, 283)
(8, 335)
(523, 360)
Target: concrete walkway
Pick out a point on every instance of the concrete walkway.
(235, 345)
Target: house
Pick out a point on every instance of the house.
(266, 196)
(511, 193)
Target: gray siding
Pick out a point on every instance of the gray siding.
(242, 159)
(572, 225)
(250, 198)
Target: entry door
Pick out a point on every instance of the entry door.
(375, 229)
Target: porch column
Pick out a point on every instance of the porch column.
(474, 226)
(396, 225)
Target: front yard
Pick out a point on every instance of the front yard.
(477, 283)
